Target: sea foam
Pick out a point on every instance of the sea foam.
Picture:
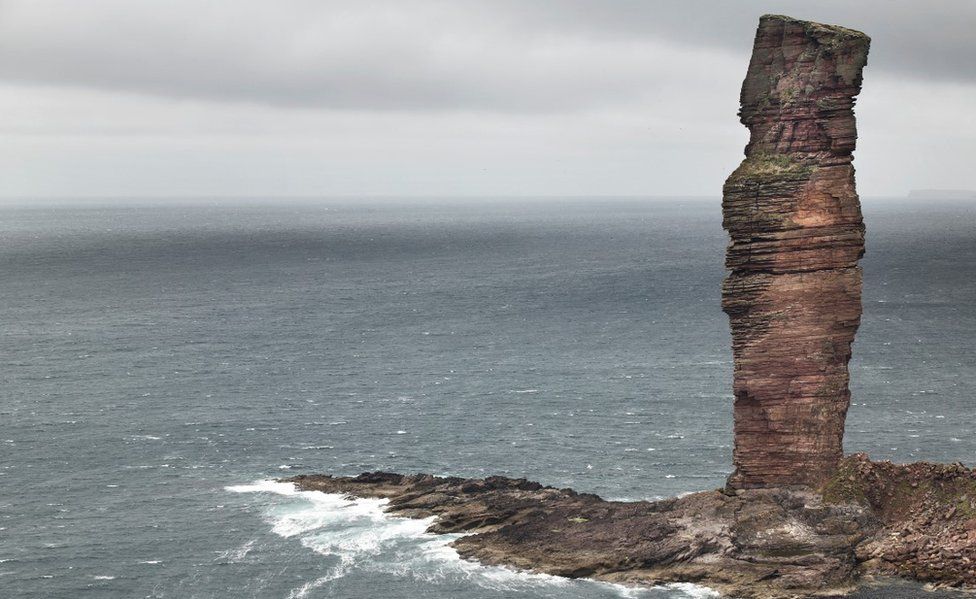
(359, 535)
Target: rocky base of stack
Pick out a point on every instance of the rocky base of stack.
(915, 521)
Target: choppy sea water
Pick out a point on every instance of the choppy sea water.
(163, 363)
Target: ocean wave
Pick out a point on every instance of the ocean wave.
(361, 537)
(693, 591)
(231, 556)
(264, 486)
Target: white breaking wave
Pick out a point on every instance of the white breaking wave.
(693, 590)
(361, 536)
(264, 486)
(233, 556)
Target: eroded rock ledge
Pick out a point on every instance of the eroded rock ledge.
(915, 521)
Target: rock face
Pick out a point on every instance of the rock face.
(760, 543)
(928, 517)
(916, 521)
(794, 292)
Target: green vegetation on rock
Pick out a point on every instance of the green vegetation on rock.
(764, 167)
(846, 486)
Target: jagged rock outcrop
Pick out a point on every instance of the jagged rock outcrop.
(794, 292)
(916, 521)
(763, 543)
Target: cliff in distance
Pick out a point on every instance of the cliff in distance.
(794, 292)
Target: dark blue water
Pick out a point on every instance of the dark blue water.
(159, 361)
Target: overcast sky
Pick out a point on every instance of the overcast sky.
(129, 98)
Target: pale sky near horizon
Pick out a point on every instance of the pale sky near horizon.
(148, 98)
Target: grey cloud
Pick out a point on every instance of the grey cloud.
(457, 97)
(924, 40)
(422, 56)
(500, 55)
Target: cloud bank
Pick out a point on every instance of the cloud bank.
(579, 97)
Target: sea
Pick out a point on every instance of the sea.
(165, 361)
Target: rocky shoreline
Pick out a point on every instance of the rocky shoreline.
(915, 521)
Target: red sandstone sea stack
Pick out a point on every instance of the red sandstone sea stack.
(794, 292)
(797, 519)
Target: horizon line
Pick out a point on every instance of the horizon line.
(432, 196)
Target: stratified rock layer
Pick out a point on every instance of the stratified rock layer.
(794, 292)
(916, 521)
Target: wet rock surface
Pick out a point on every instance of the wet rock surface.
(764, 543)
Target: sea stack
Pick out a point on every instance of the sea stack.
(793, 295)
(798, 519)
